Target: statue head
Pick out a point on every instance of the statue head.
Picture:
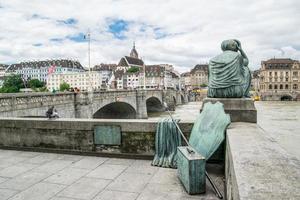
(231, 45)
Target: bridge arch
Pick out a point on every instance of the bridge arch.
(174, 101)
(286, 97)
(116, 110)
(154, 104)
(182, 99)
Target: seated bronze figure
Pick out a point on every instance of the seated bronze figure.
(229, 75)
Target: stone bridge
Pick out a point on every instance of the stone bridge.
(280, 96)
(107, 104)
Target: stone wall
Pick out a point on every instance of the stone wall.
(77, 135)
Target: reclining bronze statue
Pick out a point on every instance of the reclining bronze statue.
(229, 75)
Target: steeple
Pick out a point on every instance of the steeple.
(133, 52)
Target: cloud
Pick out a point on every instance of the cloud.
(182, 33)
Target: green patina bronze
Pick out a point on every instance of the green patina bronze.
(207, 134)
(107, 135)
(229, 75)
(209, 129)
(167, 139)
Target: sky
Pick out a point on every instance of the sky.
(177, 32)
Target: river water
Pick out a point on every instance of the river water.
(280, 119)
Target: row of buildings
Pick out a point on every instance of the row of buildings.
(277, 76)
(130, 73)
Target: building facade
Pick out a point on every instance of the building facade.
(106, 71)
(279, 76)
(3, 68)
(83, 81)
(41, 69)
(198, 76)
(185, 81)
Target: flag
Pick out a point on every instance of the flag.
(51, 69)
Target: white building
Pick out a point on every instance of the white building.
(185, 80)
(80, 80)
(40, 69)
(2, 73)
(106, 71)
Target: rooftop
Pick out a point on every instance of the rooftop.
(46, 63)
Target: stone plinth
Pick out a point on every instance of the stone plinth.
(239, 109)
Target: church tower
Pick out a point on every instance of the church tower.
(133, 52)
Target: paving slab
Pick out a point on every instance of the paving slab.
(162, 191)
(42, 158)
(116, 195)
(2, 179)
(69, 157)
(29, 154)
(6, 193)
(93, 178)
(107, 171)
(9, 161)
(89, 162)
(120, 161)
(85, 188)
(39, 191)
(24, 181)
(63, 198)
(142, 167)
(17, 169)
(53, 166)
(130, 182)
(67, 176)
(165, 176)
(6, 153)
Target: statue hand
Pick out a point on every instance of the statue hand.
(239, 46)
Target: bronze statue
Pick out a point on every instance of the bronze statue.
(229, 75)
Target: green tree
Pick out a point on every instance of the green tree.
(64, 86)
(133, 69)
(203, 85)
(12, 84)
(35, 83)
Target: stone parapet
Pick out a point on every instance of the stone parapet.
(257, 167)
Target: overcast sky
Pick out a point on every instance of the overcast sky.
(179, 32)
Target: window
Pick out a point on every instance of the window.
(295, 86)
(270, 73)
(275, 73)
(286, 73)
(275, 87)
(270, 87)
(286, 79)
(295, 73)
(281, 86)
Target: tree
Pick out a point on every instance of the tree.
(64, 86)
(203, 85)
(35, 83)
(12, 84)
(133, 69)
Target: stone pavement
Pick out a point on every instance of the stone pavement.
(41, 176)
